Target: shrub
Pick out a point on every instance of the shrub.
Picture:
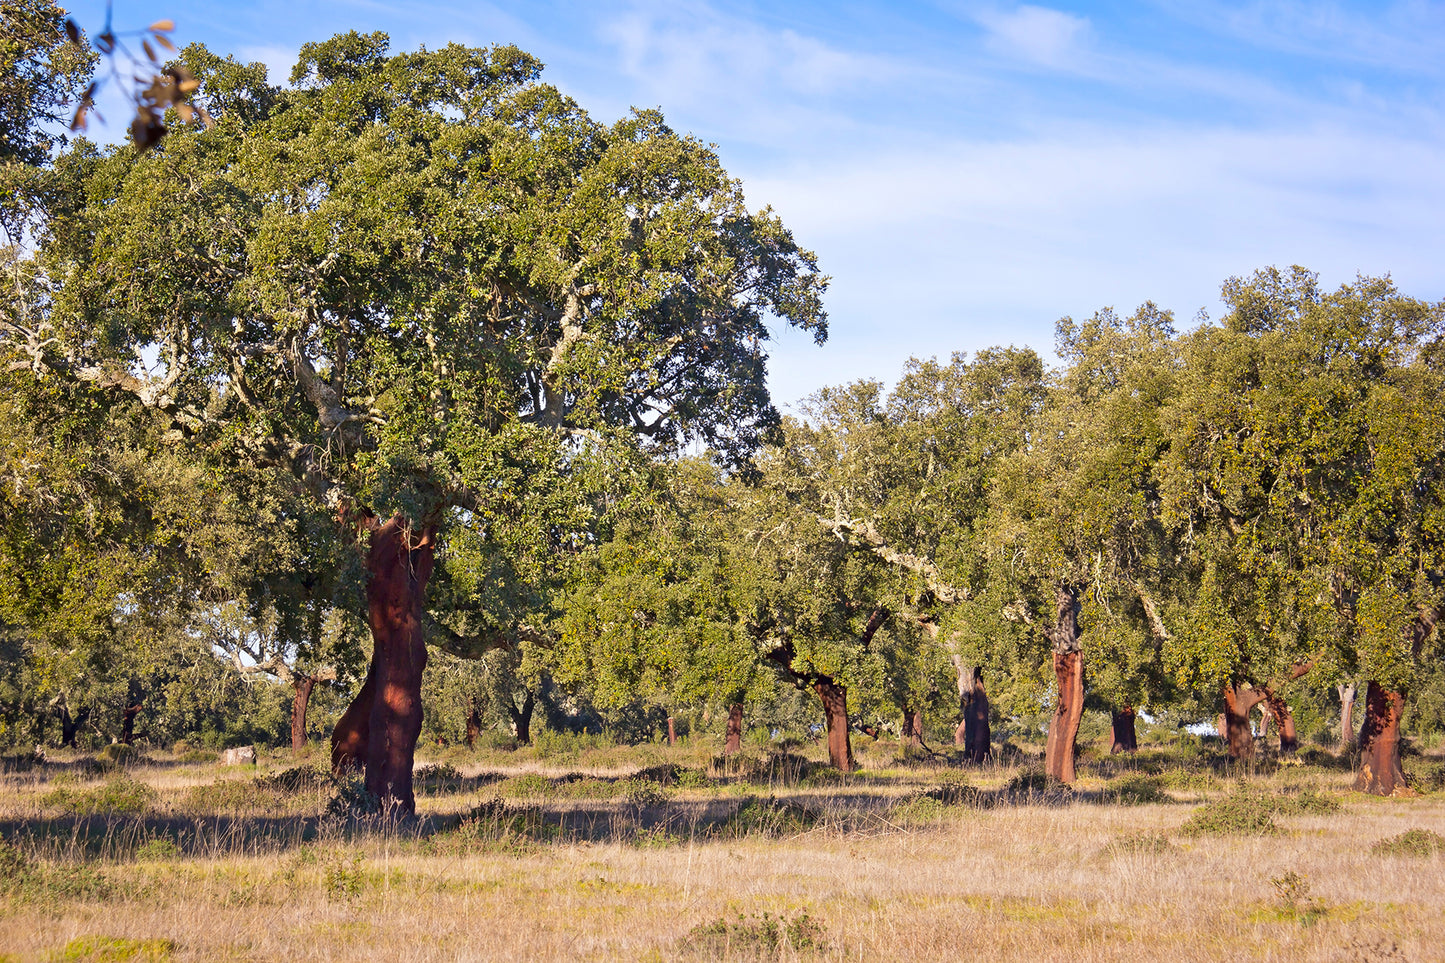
(159, 848)
(956, 792)
(1135, 790)
(1424, 775)
(120, 794)
(1306, 802)
(921, 808)
(768, 817)
(531, 784)
(1140, 844)
(121, 754)
(1242, 813)
(751, 937)
(1412, 842)
(641, 793)
(295, 779)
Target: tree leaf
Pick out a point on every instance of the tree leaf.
(162, 26)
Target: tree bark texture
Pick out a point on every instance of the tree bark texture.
(977, 737)
(1124, 737)
(1239, 702)
(474, 725)
(834, 697)
(1063, 635)
(127, 723)
(734, 741)
(299, 703)
(1380, 773)
(1283, 719)
(522, 718)
(671, 731)
(398, 567)
(1347, 713)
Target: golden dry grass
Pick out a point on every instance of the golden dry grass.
(870, 882)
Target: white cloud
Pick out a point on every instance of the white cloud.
(1040, 35)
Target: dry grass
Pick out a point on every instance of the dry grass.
(871, 867)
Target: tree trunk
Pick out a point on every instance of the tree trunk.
(353, 730)
(522, 718)
(1283, 719)
(1239, 701)
(835, 710)
(474, 726)
(977, 738)
(1264, 716)
(303, 685)
(1347, 713)
(912, 726)
(1380, 773)
(965, 693)
(70, 727)
(1063, 635)
(1064, 727)
(397, 570)
(734, 741)
(671, 731)
(127, 723)
(1124, 739)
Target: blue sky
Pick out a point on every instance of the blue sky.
(970, 172)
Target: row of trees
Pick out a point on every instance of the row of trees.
(415, 350)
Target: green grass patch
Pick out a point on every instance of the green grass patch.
(1418, 843)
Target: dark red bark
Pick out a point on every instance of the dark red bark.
(299, 702)
(1063, 635)
(1380, 773)
(1069, 709)
(977, 737)
(734, 741)
(353, 730)
(1283, 719)
(1124, 737)
(834, 697)
(522, 718)
(671, 731)
(398, 566)
(1239, 701)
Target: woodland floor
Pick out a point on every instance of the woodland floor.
(647, 854)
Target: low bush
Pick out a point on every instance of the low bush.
(768, 817)
(752, 937)
(1412, 842)
(1424, 775)
(1140, 844)
(1135, 790)
(119, 795)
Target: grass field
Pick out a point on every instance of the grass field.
(652, 853)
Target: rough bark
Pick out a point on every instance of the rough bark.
(977, 737)
(1347, 713)
(1124, 737)
(1284, 720)
(127, 723)
(1380, 773)
(1063, 635)
(69, 726)
(834, 697)
(299, 703)
(1239, 702)
(734, 741)
(398, 566)
(522, 718)
(353, 730)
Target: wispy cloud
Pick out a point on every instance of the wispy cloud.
(1040, 35)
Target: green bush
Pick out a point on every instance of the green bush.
(1424, 775)
(1242, 813)
(1140, 844)
(1135, 790)
(120, 794)
(121, 754)
(1412, 842)
(753, 937)
(768, 817)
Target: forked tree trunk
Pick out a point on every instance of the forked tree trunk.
(1124, 738)
(977, 738)
(1380, 773)
(1284, 720)
(397, 569)
(1239, 701)
(474, 725)
(912, 727)
(299, 703)
(127, 723)
(1069, 671)
(1347, 713)
(734, 741)
(353, 730)
(834, 697)
(522, 718)
(69, 727)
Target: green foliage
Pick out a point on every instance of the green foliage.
(1140, 844)
(1238, 814)
(1417, 843)
(1135, 790)
(768, 817)
(116, 949)
(120, 794)
(758, 935)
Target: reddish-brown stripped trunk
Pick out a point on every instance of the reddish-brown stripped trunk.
(834, 697)
(522, 718)
(671, 731)
(1239, 701)
(1284, 720)
(1380, 773)
(734, 741)
(299, 702)
(1124, 737)
(398, 568)
(1069, 672)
